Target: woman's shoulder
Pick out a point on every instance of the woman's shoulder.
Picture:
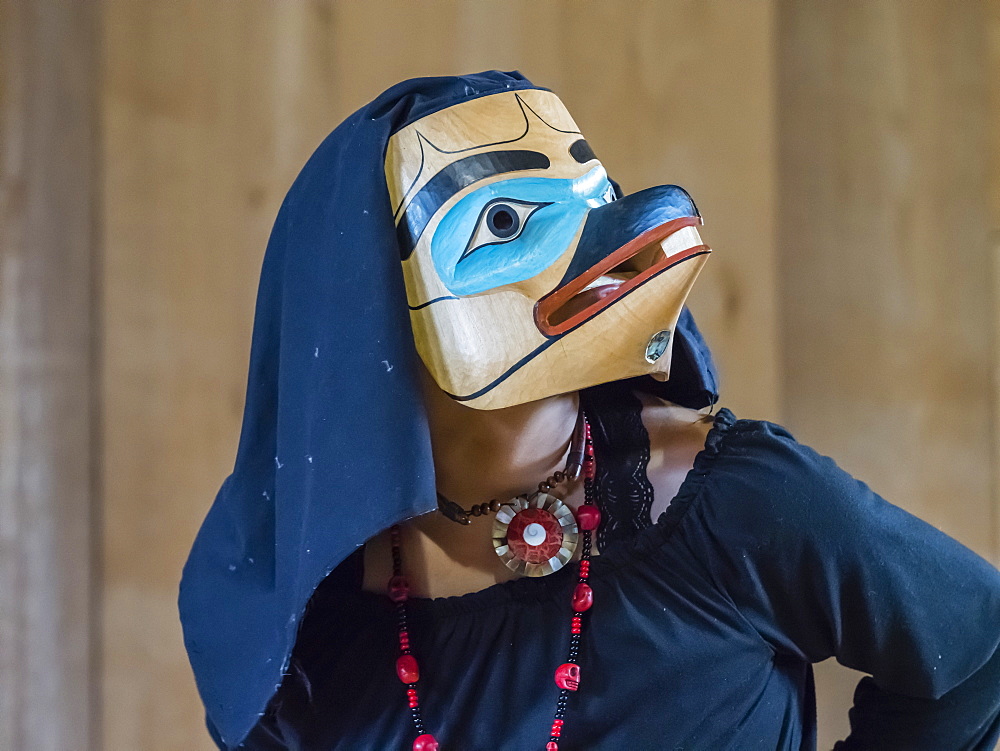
(751, 463)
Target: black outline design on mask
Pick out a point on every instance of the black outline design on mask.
(431, 302)
(422, 139)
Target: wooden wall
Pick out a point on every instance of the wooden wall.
(838, 152)
(49, 277)
(887, 268)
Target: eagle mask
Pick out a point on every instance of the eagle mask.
(527, 273)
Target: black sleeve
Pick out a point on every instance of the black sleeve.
(821, 566)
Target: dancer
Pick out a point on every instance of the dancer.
(481, 501)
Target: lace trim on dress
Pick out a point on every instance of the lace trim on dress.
(621, 443)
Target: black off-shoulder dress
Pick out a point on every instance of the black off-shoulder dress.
(702, 636)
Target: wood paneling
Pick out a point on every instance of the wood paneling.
(48, 191)
(886, 265)
(992, 31)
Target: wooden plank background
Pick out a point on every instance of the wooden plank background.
(49, 189)
(839, 153)
(886, 263)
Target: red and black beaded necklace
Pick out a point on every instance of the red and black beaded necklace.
(527, 529)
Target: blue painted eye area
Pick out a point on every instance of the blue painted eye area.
(500, 221)
(489, 238)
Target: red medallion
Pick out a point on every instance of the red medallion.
(535, 536)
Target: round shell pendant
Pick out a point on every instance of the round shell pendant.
(535, 536)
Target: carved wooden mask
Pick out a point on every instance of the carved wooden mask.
(525, 276)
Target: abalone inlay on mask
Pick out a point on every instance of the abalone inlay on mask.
(524, 276)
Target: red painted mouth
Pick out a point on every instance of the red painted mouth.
(633, 264)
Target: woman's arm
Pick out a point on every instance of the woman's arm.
(822, 566)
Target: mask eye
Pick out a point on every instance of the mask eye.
(500, 221)
(503, 221)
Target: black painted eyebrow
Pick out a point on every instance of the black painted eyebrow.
(453, 178)
(581, 151)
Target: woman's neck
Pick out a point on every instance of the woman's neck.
(478, 455)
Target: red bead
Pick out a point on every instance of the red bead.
(425, 742)
(399, 589)
(407, 669)
(411, 692)
(568, 676)
(583, 597)
(551, 746)
(588, 517)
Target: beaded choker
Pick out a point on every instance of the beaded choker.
(528, 536)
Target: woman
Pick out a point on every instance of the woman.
(537, 537)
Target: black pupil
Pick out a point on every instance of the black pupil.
(502, 220)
